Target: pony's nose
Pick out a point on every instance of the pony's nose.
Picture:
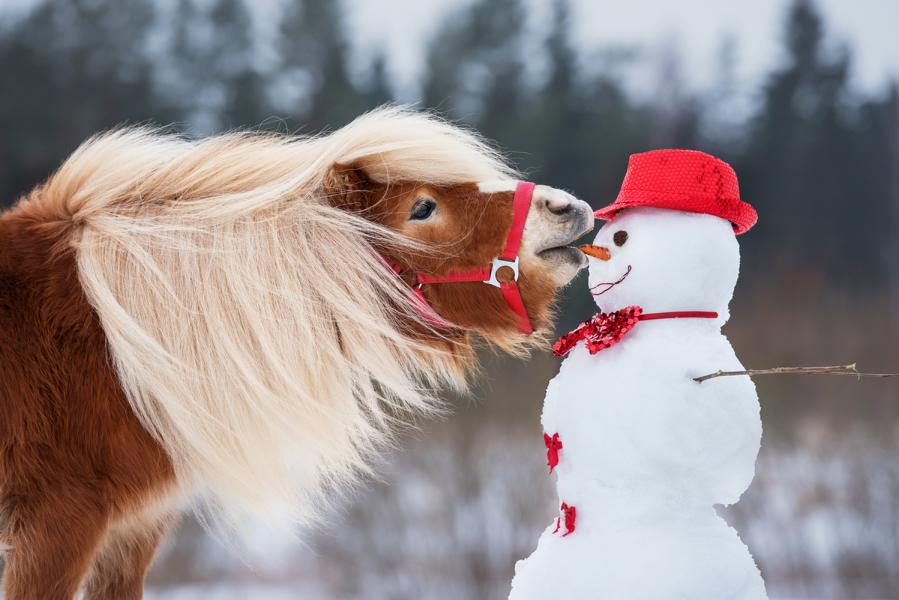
(558, 203)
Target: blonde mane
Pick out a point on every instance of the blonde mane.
(251, 324)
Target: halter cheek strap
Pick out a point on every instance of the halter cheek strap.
(524, 192)
(521, 204)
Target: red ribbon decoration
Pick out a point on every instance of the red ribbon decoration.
(600, 332)
(606, 329)
(569, 514)
(553, 445)
(681, 314)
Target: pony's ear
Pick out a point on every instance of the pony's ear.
(347, 186)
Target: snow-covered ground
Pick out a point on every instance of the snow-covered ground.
(463, 501)
(233, 591)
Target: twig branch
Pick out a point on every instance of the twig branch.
(834, 370)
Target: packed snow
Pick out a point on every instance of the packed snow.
(647, 452)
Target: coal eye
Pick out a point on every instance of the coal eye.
(423, 209)
(620, 237)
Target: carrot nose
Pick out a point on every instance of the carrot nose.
(600, 252)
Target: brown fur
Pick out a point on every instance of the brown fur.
(73, 457)
(80, 478)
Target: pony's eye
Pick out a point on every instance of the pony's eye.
(620, 237)
(423, 209)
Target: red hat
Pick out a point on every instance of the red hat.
(685, 180)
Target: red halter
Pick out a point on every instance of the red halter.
(521, 204)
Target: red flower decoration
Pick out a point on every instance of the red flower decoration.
(553, 445)
(600, 332)
(569, 514)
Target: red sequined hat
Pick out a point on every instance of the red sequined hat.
(685, 180)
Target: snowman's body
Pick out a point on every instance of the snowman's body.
(647, 452)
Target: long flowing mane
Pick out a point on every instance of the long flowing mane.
(252, 327)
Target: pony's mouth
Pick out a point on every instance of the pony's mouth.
(604, 286)
(564, 254)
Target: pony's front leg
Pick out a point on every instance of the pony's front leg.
(53, 538)
(120, 566)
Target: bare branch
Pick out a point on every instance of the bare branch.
(834, 370)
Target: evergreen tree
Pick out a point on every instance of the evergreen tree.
(475, 68)
(803, 165)
(67, 71)
(562, 113)
(216, 82)
(377, 90)
(185, 78)
(722, 128)
(674, 110)
(231, 58)
(878, 155)
(28, 80)
(502, 103)
(314, 53)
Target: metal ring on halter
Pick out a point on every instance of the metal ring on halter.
(499, 263)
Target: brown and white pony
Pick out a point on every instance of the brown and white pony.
(216, 319)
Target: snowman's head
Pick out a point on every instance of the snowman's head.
(665, 260)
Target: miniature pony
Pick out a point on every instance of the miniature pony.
(239, 320)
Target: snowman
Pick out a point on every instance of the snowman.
(642, 452)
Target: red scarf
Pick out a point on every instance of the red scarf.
(607, 329)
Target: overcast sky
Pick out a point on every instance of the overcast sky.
(870, 27)
(401, 28)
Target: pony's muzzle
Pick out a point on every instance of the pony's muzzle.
(557, 218)
(556, 221)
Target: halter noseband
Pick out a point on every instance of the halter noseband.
(521, 205)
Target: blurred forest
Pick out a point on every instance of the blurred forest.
(820, 285)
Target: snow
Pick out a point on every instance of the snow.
(648, 452)
(398, 546)
(231, 591)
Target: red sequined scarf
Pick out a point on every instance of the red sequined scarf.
(607, 329)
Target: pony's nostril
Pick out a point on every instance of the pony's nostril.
(558, 205)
